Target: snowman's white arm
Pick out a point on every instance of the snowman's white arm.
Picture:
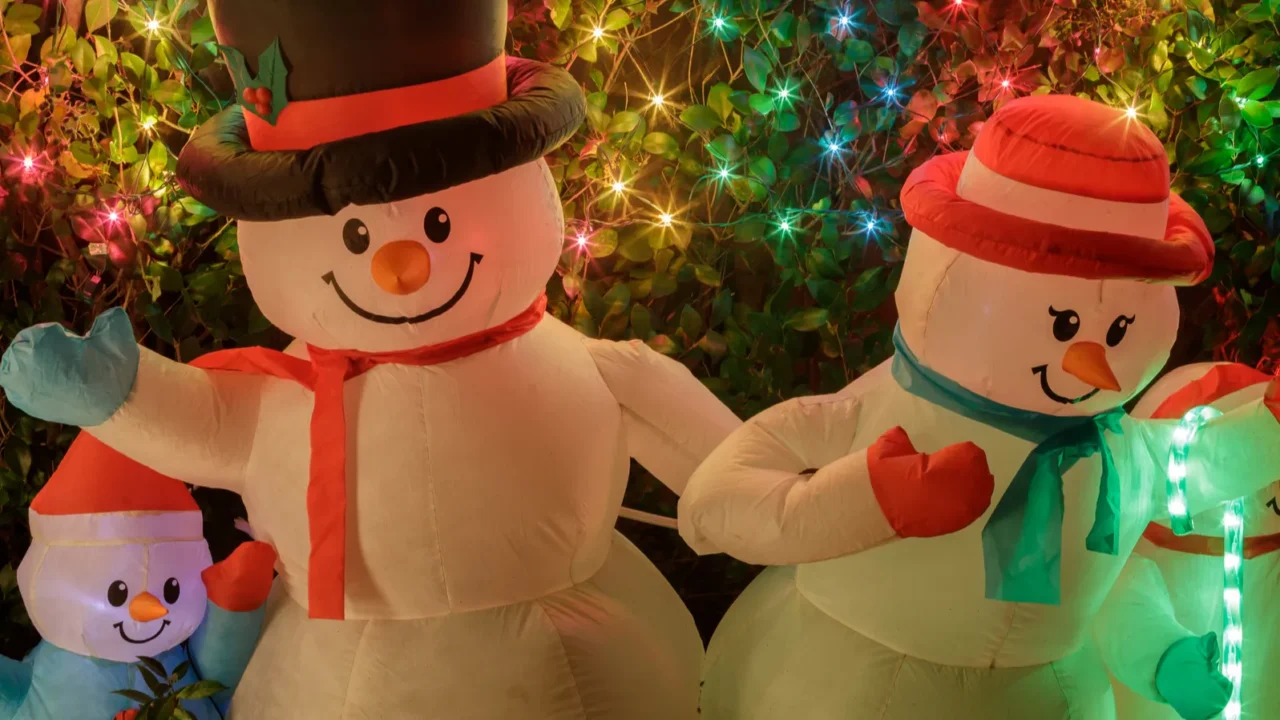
(672, 421)
(191, 424)
(1232, 456)
(785, 489)
(1136, 625)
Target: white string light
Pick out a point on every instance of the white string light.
(1232, 550)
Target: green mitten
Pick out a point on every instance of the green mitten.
(1188, 678)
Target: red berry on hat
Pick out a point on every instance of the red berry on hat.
(264, 96)
(249, 95)
(263, 109)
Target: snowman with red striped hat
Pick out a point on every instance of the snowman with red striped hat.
(944, 530)
(439, 463)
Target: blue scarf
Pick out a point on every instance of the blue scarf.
(1022, 542)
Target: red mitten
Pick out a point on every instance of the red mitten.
(928, 495)
(242, 581)
(126, 714)
(1272, 398)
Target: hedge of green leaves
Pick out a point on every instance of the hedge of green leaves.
(746, 224)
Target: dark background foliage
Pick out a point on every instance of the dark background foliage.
(732, 198)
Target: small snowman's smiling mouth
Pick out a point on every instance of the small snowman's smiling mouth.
(1043, 372)
(120, 626)
(403, 320)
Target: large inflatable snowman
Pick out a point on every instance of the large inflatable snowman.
(442, 467)
(118, 569)
(1180, 579)
(1036, 299)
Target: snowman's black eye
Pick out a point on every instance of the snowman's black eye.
(172, 590)
(1066, 323)
(118, 593)
(1118, 329)
(356, 236)
(437, 225)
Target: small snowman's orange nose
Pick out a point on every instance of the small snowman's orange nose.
(146, 608)
(1088, 361)
(401, 267)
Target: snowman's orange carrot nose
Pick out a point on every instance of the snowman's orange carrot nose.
(146, 608)
(1088, 361)
(401, 267)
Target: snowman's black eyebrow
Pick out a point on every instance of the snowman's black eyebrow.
(1056, 313)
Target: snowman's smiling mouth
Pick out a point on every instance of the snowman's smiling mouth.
(1043, 372)
(120, 626)
(403, 320)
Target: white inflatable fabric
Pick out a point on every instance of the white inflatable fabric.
(484, 578)
(1172, 594)
(870, 626)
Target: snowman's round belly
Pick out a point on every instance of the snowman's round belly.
(927, 599)
(620, 645)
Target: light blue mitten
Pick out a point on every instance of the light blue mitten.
(1188, 678)
(51, 374)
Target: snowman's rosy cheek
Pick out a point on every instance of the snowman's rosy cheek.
(355, 235)
(438, 225)
(118, 593)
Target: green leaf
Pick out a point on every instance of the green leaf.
(636, 248)
(761, 103)
(133, 695)
(707, 275)
(97, 13)
(1210, 162)
(22, 20)
(788, 121)
(763, 169)
(1258, 84)
(1256, 114)
(201, 690)
(560, 11)
(700, 118)
(202, 30)
(170, 92)
(1228, 113)
(624, 122)
(82, 56)
(603, 243)
(158, 157)
(808, 320)
(718, 100)
(757, 67)
(660, 143)
(911, 37)
(616, 20)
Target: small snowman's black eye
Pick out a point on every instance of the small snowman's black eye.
(1066, 323)
(437, 225)
(356, 236)
(118, 593)
(172, 590)
(1117, 331)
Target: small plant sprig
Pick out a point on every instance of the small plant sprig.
(166, 695)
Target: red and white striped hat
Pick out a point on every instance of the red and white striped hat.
(1061, 185)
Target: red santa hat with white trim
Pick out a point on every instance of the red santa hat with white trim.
(1060, 185)
(99, 496)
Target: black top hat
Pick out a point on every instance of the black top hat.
(342, 102)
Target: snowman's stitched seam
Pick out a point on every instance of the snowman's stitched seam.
(564, 653)
(351, 671)
(431, 490)
(893, 687)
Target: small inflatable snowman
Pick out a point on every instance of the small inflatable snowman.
(1177, 586)
(118, 569)
(441, 464)
(1036, 299)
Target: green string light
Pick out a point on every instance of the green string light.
(1232, 550)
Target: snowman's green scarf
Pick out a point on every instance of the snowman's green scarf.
(1022, 541)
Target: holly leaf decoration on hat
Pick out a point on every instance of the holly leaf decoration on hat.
(267, 94)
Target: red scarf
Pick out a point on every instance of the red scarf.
(324, 374)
